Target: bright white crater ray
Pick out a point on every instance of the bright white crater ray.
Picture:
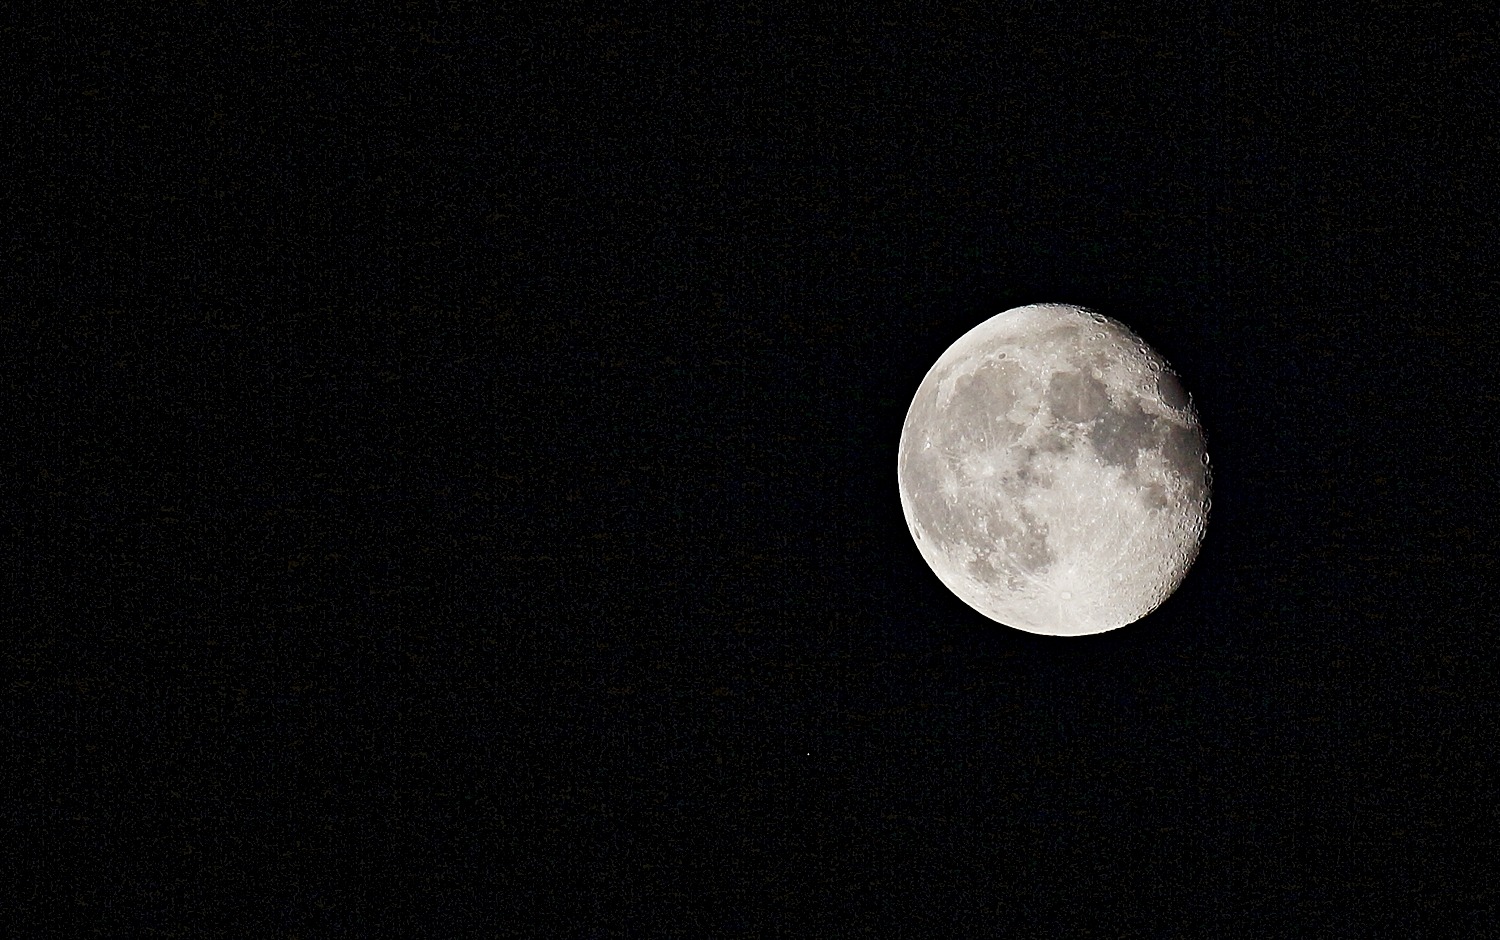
(1053, 472)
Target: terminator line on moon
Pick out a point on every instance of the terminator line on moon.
(1053, 472)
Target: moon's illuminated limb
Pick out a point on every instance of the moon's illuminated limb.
(1053, 472)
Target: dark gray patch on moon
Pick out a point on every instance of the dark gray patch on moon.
(1030, 473)
(1075, 396)
(1121, 432)
(981, 569)
(977, 398)
(1054, 440)
(1183, 451)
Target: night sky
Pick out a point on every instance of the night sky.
(450, 472)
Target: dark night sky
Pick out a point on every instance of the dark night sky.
(450, 472)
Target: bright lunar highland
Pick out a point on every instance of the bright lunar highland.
(1053, 472)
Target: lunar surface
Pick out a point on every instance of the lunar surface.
(1053, 472)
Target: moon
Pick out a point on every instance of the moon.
(1053, 472)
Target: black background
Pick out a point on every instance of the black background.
(450, 472)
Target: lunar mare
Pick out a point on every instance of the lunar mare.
(1053, 473)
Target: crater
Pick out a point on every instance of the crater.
(1169, 387)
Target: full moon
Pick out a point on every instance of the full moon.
(1053, 473)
